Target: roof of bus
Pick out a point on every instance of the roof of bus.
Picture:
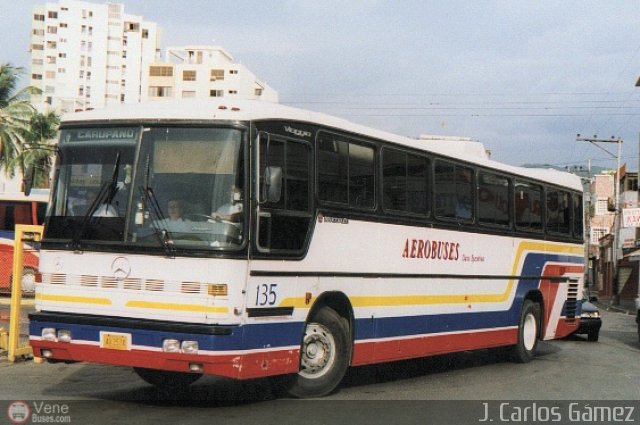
(241, 110)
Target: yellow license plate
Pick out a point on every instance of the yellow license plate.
(115, 341)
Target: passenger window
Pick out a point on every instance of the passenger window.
(453, 187)
(493, 199)
(578, 217)
(346, 172)
(528, 206)
(404, 182)
(558, 212)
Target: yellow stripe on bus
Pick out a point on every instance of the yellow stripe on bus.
(73, 299)
(393, 301)
(176, 307)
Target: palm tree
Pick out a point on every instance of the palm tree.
(39, 144)
(15, 117)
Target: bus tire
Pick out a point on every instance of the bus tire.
(167, 380)
(325, 355)
(528, 332)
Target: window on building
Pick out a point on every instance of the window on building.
(50, 74)
(145, 33)
(39, 32)
(602, 206)
(38, 17)
(51, 45)
(63, 25)
(217, 74)
(233, 71)
(404, 182)
(37, 46)
(160, 91)
(188, 93)
(257, 92)
(188, 75)
(161, 71)
(36, 76)
(53, 14)
(52, 30)
(131, 26)
(216, 93)
(493, 199)
(233, 91)
(597, 233)
(453, 187)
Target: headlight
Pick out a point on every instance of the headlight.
(189, 347)
(171, 345)
(49, 334)
(64, 335)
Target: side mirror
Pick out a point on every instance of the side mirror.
(28, 178)
(272, 189)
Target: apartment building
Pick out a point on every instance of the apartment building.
(86, 55)
(202, 72)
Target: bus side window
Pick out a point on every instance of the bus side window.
(283, 226)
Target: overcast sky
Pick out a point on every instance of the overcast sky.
(522, 77)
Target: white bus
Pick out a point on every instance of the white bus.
(248, 239)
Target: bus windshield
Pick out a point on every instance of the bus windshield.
(164, 188)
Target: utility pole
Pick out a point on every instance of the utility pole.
(616, 217)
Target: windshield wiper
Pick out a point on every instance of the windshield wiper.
(105, 196)
(159, 224)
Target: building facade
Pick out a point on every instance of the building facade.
(202, 72)
(86, 55)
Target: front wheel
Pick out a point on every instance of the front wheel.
(528, 331)
(325, 354)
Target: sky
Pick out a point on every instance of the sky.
(522, 77)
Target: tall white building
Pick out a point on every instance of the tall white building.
(203, 71)
(86, 55)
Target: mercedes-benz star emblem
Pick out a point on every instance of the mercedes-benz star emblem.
(120, 268)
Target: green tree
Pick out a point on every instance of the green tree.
(15, 117)
(26, 136)
(38, 147)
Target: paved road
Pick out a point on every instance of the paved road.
(571, 369)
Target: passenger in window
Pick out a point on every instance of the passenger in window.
(463, 208)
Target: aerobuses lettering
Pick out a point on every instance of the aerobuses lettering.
(431, 249)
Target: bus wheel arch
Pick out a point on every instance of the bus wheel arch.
(326, 347)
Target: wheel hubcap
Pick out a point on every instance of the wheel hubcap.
(529, 332)
(318, 351)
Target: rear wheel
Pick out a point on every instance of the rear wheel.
(528, 331)
(325, 354)
(167, 380)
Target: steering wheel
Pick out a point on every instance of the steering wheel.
(198, 217)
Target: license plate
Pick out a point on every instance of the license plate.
(115, 341)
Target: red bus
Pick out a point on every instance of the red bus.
(16, 208)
